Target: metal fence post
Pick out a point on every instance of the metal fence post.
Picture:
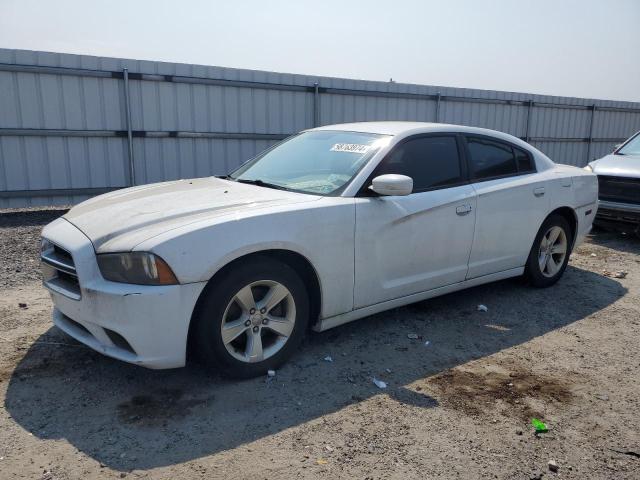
(316, 105)
(127, 103)
(528, 120)
(591, 121)
(438, 97)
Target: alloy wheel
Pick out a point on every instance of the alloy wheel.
(552, 252)
(258, 321)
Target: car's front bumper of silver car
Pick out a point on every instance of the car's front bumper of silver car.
(617, 212)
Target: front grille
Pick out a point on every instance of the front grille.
(619, 189)
(59, 271)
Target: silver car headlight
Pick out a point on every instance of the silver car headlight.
(45, 245)
(588, 168)
(140, 268)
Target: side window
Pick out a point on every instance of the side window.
(524, 161)
(490, 158)
(430, 161)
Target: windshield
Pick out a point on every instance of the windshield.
(631, 148)
(319, 162)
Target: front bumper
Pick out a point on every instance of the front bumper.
(616, 212)
(144, 325)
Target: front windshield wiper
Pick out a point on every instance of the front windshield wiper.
(260, 183)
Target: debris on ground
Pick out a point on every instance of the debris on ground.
(482, 308)
(626, 452)
(271, 373)
(593, 255)
(321, 461)
(621, 274)
(22, 305)
(539, 425)
(412, 336)
(328, 358)
(553, 466)
(427, 343)
(379, 383)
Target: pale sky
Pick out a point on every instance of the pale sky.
(581, 48)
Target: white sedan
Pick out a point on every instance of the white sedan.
(329, 226)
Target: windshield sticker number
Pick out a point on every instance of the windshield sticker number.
(350, 147)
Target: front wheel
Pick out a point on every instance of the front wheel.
(252, 319)
(550, 252)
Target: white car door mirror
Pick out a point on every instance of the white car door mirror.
(391, 184)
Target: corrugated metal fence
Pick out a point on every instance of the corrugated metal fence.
(73, 126)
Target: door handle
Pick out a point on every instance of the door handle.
(463, 209)
(538, 192)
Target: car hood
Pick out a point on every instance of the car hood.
(120, 220)
(617, 166)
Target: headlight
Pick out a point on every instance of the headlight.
(588, 168)
(140, 268)
(45, 245)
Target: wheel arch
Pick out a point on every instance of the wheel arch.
(570, 216)
(293, 259)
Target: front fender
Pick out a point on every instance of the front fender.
(322, 233)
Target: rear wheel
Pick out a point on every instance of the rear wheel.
(550, 252)
(252, 319)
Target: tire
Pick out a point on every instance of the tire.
(278, 328)
(547, 274)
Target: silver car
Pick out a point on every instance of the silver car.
(619, 187)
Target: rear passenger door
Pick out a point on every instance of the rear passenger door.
(512, 202)
(413, 243)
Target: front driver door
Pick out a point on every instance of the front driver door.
(410, 244)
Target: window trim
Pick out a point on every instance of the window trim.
(472, 175)
(364, 190)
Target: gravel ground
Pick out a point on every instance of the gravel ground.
(20, 244)
(457, 407)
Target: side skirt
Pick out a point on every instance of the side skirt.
(327, 323)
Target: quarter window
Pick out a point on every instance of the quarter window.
(430, 161)
(523, 159)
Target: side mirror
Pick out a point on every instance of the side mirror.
(392, 185)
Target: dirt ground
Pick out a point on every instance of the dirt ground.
(457, 407)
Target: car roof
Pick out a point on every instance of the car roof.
(411, 128)
(384, 128)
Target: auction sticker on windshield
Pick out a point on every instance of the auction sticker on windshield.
(350, 147)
